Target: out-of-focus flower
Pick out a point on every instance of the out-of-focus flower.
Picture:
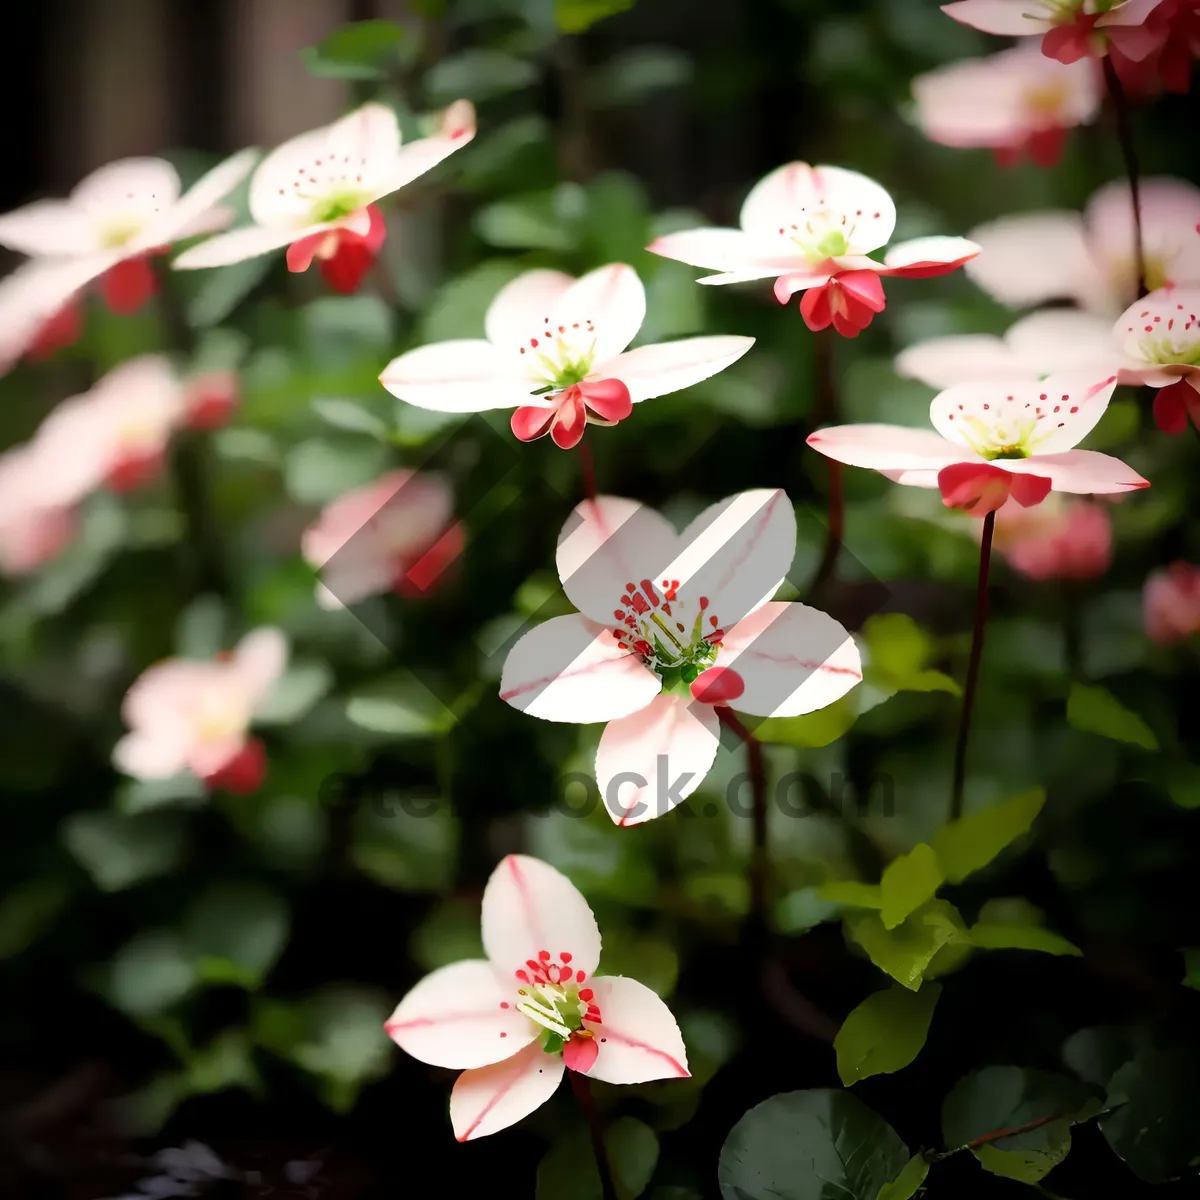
(210, 398)
(1016, 102)
(1171, 604)
(115, 435)
(1090, 258)
(1070, 29)
(1058, 539)
(1161, 333)
(1043, 343)
(671, 626)
(513, 1022)
(190, 715)
(994, 440)
(396, 534)
(33, 529)
(555, 351)
(106, 229)
(317, 193)
(812, 229)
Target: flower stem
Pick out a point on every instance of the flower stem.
(759, 856)
(825, 412)
(981, 615)
(995, 1136)
(1121, 110)
(587, 1105)
(587, 469)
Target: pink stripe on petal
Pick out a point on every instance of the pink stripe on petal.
(492, 1098)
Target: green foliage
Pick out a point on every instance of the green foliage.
(574, 16)
(969, 843)
(908, 882)
(885, 1032)
(363, 50)
(908, 1182)
(568, 1171)
(1094, 710)
(906, 951)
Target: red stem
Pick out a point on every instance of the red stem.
(758, 783)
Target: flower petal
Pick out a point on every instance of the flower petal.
(151, 756)
(492, 1098)
(611, 297)
(924, 257)
(606, 544)
(49, 227)
(1084, 472)
(1009, 18)
(130, 191)
(260, 658)
(415, 159)
(795, 190)
(1066, 339)
(519, 309)
(1032, 257)
(1162, 327)
(793, 660)
(729, 250)
(639, 1039)
(888, 447)
(197, 203)
(571, 669)
(737, 552)
(460, 1016)
(529, 907)
(651, 371)
(961, 358)
(650, 761)
(238, 245)
(463, 375)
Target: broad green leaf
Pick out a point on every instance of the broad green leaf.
(294, 693)
(406, 841)
(458, 307)
(803, 909)
(812, 730)
(319, 470)
(448, 934)
(968, 844)
(909, 882)
(574, 16)
(647, 959)
(568, 1170)
(905, 952)
(810, 1145)
(1021, 937)
(226, 1062)
(1153, 1127)
(235, 932)
(1094, 710)
(360, 50)
(352, 417)
(477, 74)
(998, 1098)
(534, 221)
(402, 706)
(150, 973)
(1191, 967)
(142, 795)
(119, 851)
(339, 331)
(885, 1032)
(898, 654)
(201, 628)
(629, 77)
(852, 894)
(905, 1185)
(1096, 1053)
(221, 290)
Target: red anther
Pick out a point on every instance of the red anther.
(703, 601)
(651, 594)
(523, 977)
(713, 622)
(639, 604)
(565, 957)
(586, 994)
(544, 955)
(503, 1003)
(580, 976)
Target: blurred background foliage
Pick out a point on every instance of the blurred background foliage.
(220, 966)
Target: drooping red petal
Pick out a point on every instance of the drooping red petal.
(1008, 156)
(243, 773)
(580, 1053)
(570, 420)
(433, 567)
(210, 400)
(717, 685)
(1070, 43)
(609, 399)
(344, 269)
(976, 488)
(127, 474)
(531, 422)
(128, 285)
(57, 332)
(863, 290)
(377, 232)
(300, 254)
(815, 308)
(1046, 146)
(1171, 407)
(1029, 490)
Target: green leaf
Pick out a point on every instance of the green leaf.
(142, 795)
(119, 851)
(406, 841)
(150, 973)
(321, 469)
(813, 730)
(905, 952)
(968, 844)
(235, 932)
(1156, 1097)
(568, 1170)
(1094, 710)
(1191, 967)
(294, 693)
(224, 288)
(811, 1145)
(534, 221)
(852, 894)
(1096, 1053)
(352, 417)
(574, 16)
(909, 882)
(885, 1032)
(226, 1062)
(996, 1098)
(447, 935)
(339, 331)
(477, 74)
(360, 50)
(401, 706)
(898, 654)
(458, 307)
(200, 630)
(647, 959)
(905, 1185)
(1021, 937)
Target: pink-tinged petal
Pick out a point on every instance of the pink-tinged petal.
(520, 308)
(888, 447)
(144, 755)
(751, 276)
(607, 544)
(259, 660)
(421, 156)
(571, 669)
(1131, 12)
(651, 371)
(649, 762)
(529, 907)
(580, 1053)
(608, 400)
(47, 228)
(127, 285)
(737, 552)
(1162, 327)
(732, 251)
(193, 212)
(1084, 472)
(243, 774)
(461, 1016)
(717, 685)
(529, 423)
(976, 488)
(128, 194)
(492, 1098)
(1066, 339)
(639, 1039)
(569, 420)
(816, 307)
(1171, 604)
(793, 659)
(1030, 258)
(925, 257)
(962, 358)
(613, 299)
(786, 286)
(345, 269)
(1171, 406)
(1009, 18)
(238, 245)
(791, 192)
(464, 375)
(969, 103)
